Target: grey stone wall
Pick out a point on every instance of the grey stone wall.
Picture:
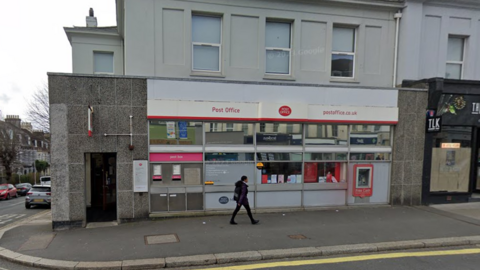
(114, 99)
(408, 148)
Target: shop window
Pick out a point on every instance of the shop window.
(175, 133)
(228, 133)
(279, 156)
(282, 173)
(455, 56)
(176, 174)
(325, 172)
(318, 134)
(228, 168)
(229, 157)
(343, 52)
(370, 135)
(206, 42)
(325, 156)
(370, 156)
(287, 134)
(103, 62)
(278, 47)
(451, 160)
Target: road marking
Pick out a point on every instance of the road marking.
(352, 259)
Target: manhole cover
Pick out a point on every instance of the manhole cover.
(161, 239)
(298, 236)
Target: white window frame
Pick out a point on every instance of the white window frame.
(355, 33)
(214, 127)
(281, 50)
(229, 127)
(113, 62)
(461, 63)
(210, 44)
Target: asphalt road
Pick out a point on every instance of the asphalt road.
(386, 261)
(14, 209)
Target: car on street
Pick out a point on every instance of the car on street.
(39, 195)
(45, 180)
(23, 188)
(8, 191)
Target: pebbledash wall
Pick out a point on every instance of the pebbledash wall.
(114, 99)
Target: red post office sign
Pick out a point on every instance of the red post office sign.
(285, 111)
(362, 180)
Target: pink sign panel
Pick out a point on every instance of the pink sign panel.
(174, 157)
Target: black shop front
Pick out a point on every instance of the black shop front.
(451, 169)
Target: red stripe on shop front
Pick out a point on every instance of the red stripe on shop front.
(271, 120)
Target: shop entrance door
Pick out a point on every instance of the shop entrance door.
(103, 188)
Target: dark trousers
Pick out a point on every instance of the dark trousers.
(247, 207)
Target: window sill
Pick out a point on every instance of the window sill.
(207, 74)
(278, 77)
(343, 80)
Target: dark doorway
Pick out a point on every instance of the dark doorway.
(103, 187)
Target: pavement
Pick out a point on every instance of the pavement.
(183, 242)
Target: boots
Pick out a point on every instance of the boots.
(233, 222)
(255, 221)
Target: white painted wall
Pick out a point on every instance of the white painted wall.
(424, 32)
(158, 38)
(84, 45)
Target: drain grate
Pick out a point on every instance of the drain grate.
(161, 239)
(297, 236)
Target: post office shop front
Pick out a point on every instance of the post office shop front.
(194, 163)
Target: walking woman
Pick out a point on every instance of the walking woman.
(242, 200)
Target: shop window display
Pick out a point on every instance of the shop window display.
(228, 133)
(324, 172)
(279, 134)
(282, 173)
(175, 133)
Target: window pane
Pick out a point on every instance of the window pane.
(282, 173)
(287, 134)
(278, 62)
(227, 173)
(206, 58)
(324, 172)
(370, 156)
(343, 39)
(371, 135)
(455, 49)
(228, 133)
(453, 71)
(279, 156)
(172, 132)
(103, 62)
(206, 29)
(450, 170)
(325, 156)
(229, 156)
(342, 65)
(326, 134)
(277, 35)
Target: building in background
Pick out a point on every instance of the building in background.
(32, 144)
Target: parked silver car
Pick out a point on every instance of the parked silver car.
(39, 195)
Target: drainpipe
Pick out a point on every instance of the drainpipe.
(397, 18)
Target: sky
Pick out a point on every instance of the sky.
(33, 42)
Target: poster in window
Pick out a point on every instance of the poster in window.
(311, 172)
(157, 172)
(171, 130)
(177, 175)
(450, 158)
(182, 130)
